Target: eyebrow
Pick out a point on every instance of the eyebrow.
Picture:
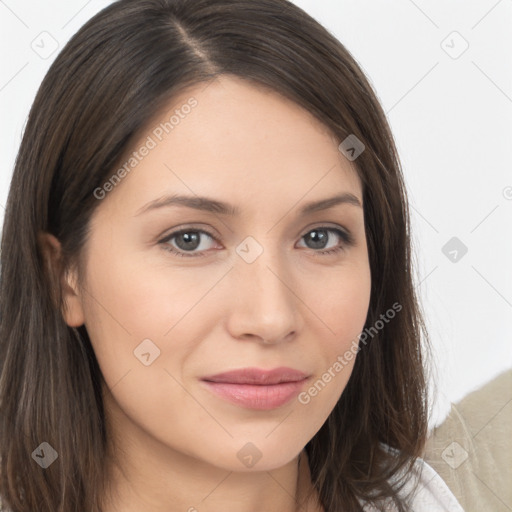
(214, 206)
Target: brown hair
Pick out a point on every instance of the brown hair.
(111, 78)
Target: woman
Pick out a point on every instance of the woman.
(207, 298)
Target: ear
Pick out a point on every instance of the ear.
(52, 254)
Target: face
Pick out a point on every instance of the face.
(175, 292)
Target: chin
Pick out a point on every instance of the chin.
(253, 456)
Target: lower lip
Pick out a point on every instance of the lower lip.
(250, 396)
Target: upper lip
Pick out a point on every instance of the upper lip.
(258, 376)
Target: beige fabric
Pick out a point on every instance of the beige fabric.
(472, 449)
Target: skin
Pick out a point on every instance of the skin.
(176, 442)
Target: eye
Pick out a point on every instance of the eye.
(191, 242)
(186, 240)
(319, 238)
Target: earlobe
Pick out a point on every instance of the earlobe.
(72, 309)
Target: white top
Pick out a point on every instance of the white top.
(425, 489)
(431, 494)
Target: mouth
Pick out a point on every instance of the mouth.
(253, 388)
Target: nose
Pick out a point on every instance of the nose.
(264, 305)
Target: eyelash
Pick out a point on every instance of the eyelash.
(347, 241)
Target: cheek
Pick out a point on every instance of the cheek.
(346, 312)
(341, 301)
(142, 299)
(134, 308)
(137, 321)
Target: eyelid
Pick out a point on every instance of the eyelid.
(178, 231)
(184, 229)
(326, 225)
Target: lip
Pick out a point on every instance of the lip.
(254, 388)
(258, 376)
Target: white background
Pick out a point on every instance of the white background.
(451, 116)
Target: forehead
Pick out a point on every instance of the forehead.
(231, 139)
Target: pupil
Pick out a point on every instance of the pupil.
(321, 237)
(189, 238)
